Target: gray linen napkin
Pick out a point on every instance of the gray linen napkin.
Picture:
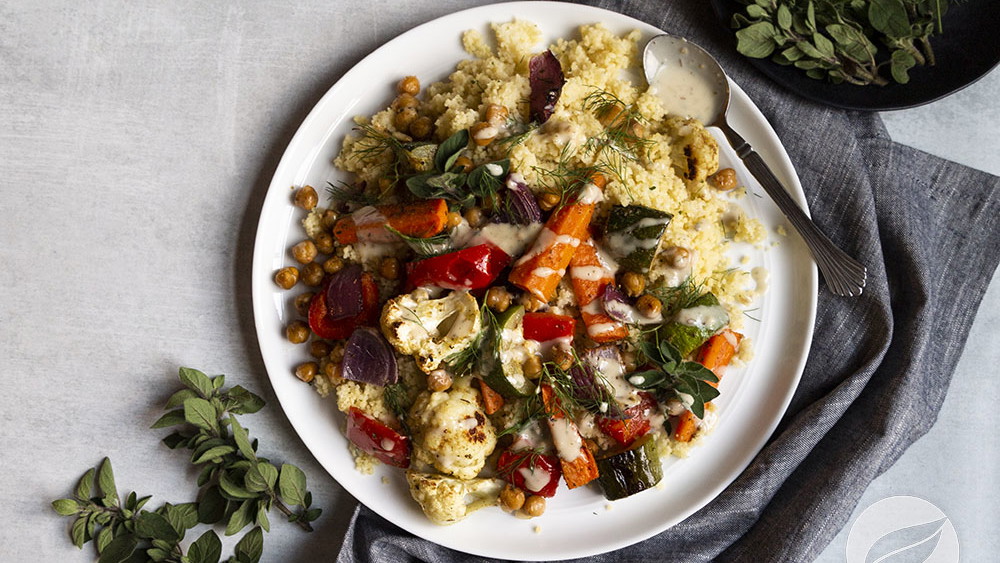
(880, 365)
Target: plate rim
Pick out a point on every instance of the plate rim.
(262, 285)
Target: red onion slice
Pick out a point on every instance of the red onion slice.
(545, 76)
(368, 358)
(617, 306)
(343, 293)
(519, 204)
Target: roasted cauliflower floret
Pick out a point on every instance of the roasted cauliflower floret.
(431, 329)
(695, 154)
(451, 433)
(446, 500)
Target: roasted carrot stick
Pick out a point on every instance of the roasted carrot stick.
(686, 424)
(590, 275)
(565, 435)
(718, 351)
(420, 219)
(539, 271)
(492, 401)
(581, 470)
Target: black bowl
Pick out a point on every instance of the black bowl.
(967, 50)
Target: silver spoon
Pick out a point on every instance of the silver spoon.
(682, 72)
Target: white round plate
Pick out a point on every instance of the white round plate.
(576, 523)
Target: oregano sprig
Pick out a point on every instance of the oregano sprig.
(850, 41)
(688, 381)
(236, 486)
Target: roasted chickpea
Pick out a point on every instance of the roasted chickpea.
(628, 361)
(328, 219)
(649, 306)
(530, 302)
(297, 332)
(548, 200)
(304, 252)
(324, 243)
(680, 257)
(332, 371)
(389, 268)
(633, 283)
(312, 274)
(511, 498)
(306, 198)
(474, 216)
(302, 302)
(287, 277)
(483, 133)
(454, 219)
(724, 180)
(532, 367)
(404, 117)
(465, 163)
(611, 116)
(421, 128)
(438, 380)
(333, 264)
(498, 298)
(337, 352)
(319, 348)
(409, 85)
(534, 506)
(404, 100)
(307, 371)
(563, 358)
(496, 115)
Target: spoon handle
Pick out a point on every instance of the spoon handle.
(843, 274)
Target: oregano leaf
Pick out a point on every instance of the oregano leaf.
(292, 484)
(119, 549)
(85, 486)
(250, 547)
(106, 482)
(197, 381)
(206, 549)
(201, 414)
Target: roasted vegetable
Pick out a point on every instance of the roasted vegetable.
(431, 329)
(630, 471)
(446, 500)
(504, 352)
(692, 326)
(633, 234)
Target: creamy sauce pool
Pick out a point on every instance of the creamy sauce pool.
(685, 90)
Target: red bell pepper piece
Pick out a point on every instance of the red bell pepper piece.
(634, 426)
(543, 470)
(470, 268)
(370, 435)
(325, 327)
(543, 327)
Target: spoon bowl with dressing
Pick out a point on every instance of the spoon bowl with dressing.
(691, 83)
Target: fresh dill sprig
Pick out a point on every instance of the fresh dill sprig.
(532, 410)
(567, 178)
(621, 141)
(426, 247)
(519, 133)
(342, 192)
(465, 360)
(397, 400)
(595, 396)
(374, 143)
(679, 297)
(518, 458)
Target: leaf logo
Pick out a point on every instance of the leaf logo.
(902, 529)
(915, 544)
